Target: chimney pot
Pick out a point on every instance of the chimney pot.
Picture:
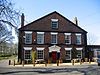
(75, 21)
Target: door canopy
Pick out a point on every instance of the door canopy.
(54, 48)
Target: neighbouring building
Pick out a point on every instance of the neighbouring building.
(52, 37)
(93, 51)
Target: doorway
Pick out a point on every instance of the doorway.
(54, 56)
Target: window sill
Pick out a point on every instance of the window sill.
(68, 59)
(68, 43)
(40, 43)
(55, 28)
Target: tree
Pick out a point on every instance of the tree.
(9, 18)
(15, 49)
(5, 35)
(33, 56)
(91, 39)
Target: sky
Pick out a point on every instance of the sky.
(87, 12)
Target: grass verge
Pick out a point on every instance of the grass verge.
(2, 57)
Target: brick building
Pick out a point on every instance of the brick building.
(52, 37)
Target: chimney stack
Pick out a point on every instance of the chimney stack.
(22, 20)
(75, 21)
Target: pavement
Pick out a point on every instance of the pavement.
(50, 69)
(4, 63)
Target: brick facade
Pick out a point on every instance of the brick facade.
(44, 25)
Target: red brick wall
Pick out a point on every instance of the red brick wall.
(47, 36)
(60, 38)
(44, 25)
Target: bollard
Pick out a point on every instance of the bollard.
(89, 61)
(9, 62)
(61, 61)
(57, 63)
(13, 62)
(80, 62)
(48, 61)
(23, 63)
(72, 62)
(86, 59)
(45, 63)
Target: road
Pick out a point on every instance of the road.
(60, 70)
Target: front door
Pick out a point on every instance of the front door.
(54, 56)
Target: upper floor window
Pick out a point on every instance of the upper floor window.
(54, 38)
(78, 38)
(68, 38)
(54, 23)
(28, 37)
(40, 37)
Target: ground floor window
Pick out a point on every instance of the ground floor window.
(27, 53)
(68, 53)
(79, 53)
(40, 53)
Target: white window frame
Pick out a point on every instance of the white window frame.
(69, 35)
(27, 49)
(54, 20)
(39, 33)
(52, 33)
(80, 39)
(69, 49)
(40, 49)
(79, 49)
(28, 32)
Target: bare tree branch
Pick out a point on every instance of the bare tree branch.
(9, 18)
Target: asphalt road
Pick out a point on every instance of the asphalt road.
(65, 70)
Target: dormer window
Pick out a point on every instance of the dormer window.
(54, 23)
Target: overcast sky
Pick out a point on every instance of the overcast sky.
(87, 12)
